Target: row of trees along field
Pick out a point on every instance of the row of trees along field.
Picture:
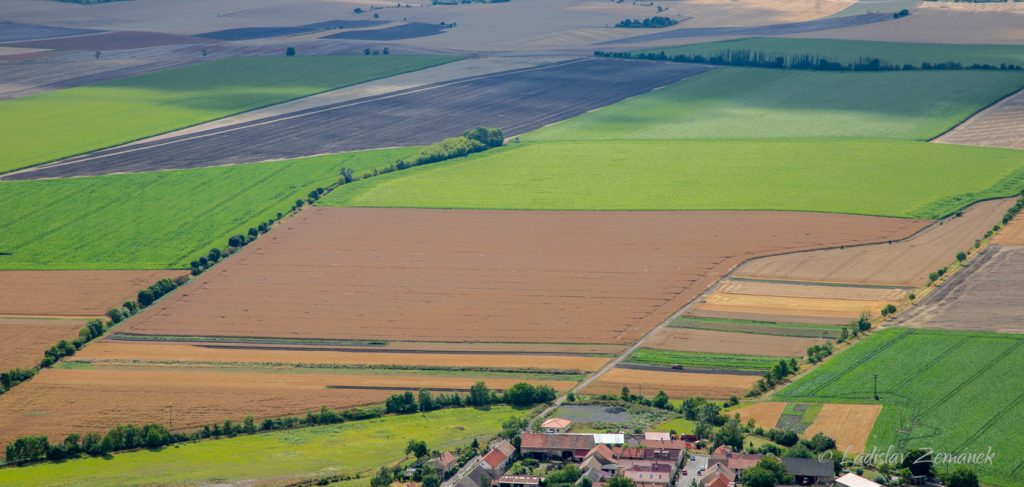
(763, 59)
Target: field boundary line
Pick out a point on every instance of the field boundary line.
(956, 390)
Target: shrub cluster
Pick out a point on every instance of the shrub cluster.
(149, 295)
(765, 59)
(124, 437)
(656, 22)
(779, 372)
(471, 141)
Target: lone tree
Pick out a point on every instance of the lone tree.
(961, 257)
(962, 477)
(289, 52)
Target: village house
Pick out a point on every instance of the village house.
(556, 425)
(718, 475)
(558, 446)
(810, 471)
(443, 463)
(518, 481)
(854, 480)
(737, 462)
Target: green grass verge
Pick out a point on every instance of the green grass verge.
(700, 360)
(848, 51)
(62, 123)
(682, 426)
(953, 392)
(861, 176)
(347, 448)
(800, 330)
(155, 220)
(736, 103)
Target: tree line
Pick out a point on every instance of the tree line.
(765, 59)
(521, 394)
(656, 22)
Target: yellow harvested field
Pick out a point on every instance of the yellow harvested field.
(85, 294)
(115, 351)
(61, 401)
(710, 341)
(764, 414)
(848, 424)
(675, 384)
(806, 290)
(1013, 233)
(906, 263)
(776, 308)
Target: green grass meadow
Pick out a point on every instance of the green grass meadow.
(847, 51)
(860, 176)
(704, 361)
(740, 103)
(347, 448)
(950, 391)
(67, 122)
(155, 220)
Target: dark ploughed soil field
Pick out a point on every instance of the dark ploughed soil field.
(13, 31)
(484, 276)
(398, 32)
(516, 101)
(986, 296)
(247, 33)
(111, 40)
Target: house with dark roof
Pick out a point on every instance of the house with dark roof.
(563, 446)
(810, 471)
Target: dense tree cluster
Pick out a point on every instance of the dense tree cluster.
(471, 141)
(764, 59)
(656, 22)
(124, 437)
(520, 395)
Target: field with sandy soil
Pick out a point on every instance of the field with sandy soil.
(81, 294)
(804, 290)
(484, 275)
(1001, 125)
(773, 328)
(59, 124)
(783, 308)
(848, 424)
(906, 263)
(162, 219)
(688, 340)
(59, 401)
(23, 340)
(112, 351)
(676, 384)
(764, 414)
(1012, 233)
(984, 296)
(939, 26)
(951, 391)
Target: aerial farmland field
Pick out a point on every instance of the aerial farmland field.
(862, 176)
(161, 219)
(169, 100)
(954, 391)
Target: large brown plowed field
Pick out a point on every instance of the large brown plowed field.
(676, 384)
(493, 276)
(62, 401)
(988, 295)
(23, 340)
(687, 340)
(848, 424)
(904, 263)
(780, 308)
(160, 352)
(71, 293)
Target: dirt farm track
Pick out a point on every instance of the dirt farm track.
(493, 276)
(417, 116)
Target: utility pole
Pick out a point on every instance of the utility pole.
(876, 387)
(170, 416)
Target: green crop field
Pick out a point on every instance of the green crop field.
(862, 176)
(757, 327)
(159, 219)
(847, 51)
(63, 123)
(699, 360)
(730, 103)
(953, 392)
(347, 448)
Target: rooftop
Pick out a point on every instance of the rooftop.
(556, 423)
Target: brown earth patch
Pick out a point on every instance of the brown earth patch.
(764, 414)
(984, 296)
(72, 293)
(675, 384)
(687, 340)
(781, 308)
(801, 290)
(493, 276)
(905, 263)
(61, 401)
(1012, 233)
(848, 424)
(1001, 125)
(23, 340)
(112, 40)
(160, 352)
